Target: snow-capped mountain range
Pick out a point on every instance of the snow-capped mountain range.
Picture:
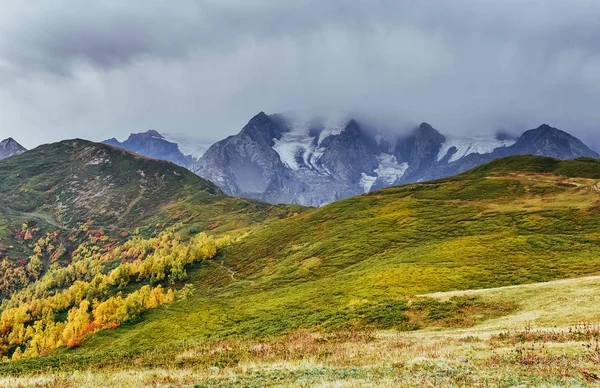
(9, 147)
(313, 162)
(285, 159)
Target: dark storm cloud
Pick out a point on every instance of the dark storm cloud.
(103, 69)
(58, 34)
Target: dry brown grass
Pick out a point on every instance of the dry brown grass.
(507, 351)
(529, 357)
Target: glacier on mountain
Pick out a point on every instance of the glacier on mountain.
(295, 143)
(388, 172)
(467, 146)
(300, 147)
(303, 144)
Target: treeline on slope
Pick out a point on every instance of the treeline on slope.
(69, 302)
(39, 251)
(33, 248)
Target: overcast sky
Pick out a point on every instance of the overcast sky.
(203, 68)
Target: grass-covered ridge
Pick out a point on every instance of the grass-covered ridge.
(578, 168)
(76, 180)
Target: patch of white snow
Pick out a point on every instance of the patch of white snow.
(367, 181)
(292, 143)
(389, 170)
(467, 146)
(332, 126)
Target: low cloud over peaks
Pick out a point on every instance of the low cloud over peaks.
(203, 68)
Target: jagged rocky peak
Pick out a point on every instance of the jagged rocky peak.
(428, 141)
(264, 128)
(10, 143)
(9, 147)
(153, 145)
(152, 133)
(136, 138)
(353, 128)
(429, 133)
(350, 154)
(421, 146)
(545, 131)
(253, 166)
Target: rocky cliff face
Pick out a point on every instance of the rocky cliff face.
(313, 162)
(9, 147)
(253, 167)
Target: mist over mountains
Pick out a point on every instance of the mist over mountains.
(316, 162)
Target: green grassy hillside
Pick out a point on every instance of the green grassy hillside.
(579, 168)
(360, 263)
(58, 196)
(76, 181)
